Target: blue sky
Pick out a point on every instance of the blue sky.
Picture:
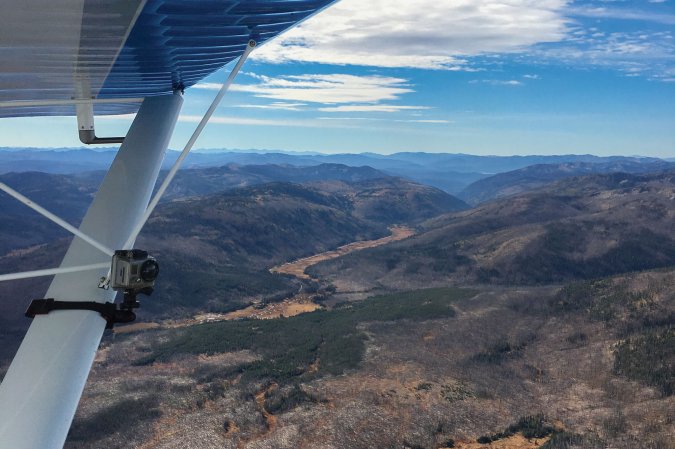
(471, 76)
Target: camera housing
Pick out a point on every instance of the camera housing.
(133, 270)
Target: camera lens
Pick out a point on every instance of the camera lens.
(149, 270)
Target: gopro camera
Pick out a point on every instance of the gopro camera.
(133, 271)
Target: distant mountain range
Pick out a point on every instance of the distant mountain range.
(448, 172)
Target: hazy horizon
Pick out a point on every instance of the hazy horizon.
(324, 153)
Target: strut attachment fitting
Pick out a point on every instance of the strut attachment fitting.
(108, 310)
(133, 272)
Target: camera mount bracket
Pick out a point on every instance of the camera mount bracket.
(108, 310)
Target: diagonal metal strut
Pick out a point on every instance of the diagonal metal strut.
(59, 221)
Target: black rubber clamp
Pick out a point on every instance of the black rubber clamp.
(108, 310)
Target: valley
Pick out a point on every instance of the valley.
(296, 305)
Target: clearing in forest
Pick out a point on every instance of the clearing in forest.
(297, 268)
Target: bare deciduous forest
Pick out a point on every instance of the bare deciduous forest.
(427, 369)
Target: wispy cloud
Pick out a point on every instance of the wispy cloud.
(622, 14)
(281, 106)
(431, 121)
(635, 53)
(207, 86)
(244, 121)
(324, 89)
(320, 122)
(427, 34)
(510, 83)
(373, 108)
(380, 119)
(332, 92)
(667, 76)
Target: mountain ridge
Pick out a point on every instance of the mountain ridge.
(578, 228)
(535, 176)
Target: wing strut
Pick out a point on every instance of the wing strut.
(41, 390)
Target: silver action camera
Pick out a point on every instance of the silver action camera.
(133, 271)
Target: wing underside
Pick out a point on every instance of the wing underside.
(55, 53)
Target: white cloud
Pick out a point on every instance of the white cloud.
(429, 121)
(276, 106)
(498, 82)
(334, 92)
(373, 119)
(342, 118)
(320, 122)
(372, 108)
(328, 89)
(431, 34)
(243, 121)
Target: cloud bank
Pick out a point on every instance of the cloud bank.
(430, 34)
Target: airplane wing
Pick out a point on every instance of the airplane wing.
(54, 53)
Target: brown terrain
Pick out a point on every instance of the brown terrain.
(582, 228)
(506, 354)
(590, 363)
(300, 303)
(418, 385)
(297, 268)
(296, 305)
(515, 442)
